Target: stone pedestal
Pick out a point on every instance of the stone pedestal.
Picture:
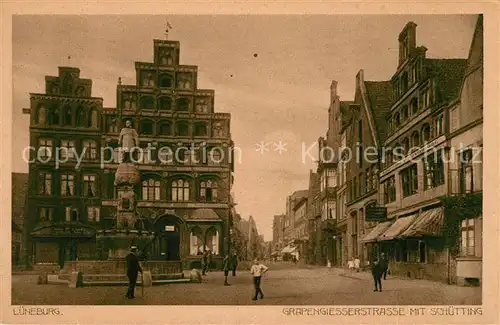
(147, 279)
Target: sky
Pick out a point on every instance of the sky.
(280, 94)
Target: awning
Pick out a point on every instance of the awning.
(376, 231)
(397, 228)
(428, 223)
(288, 250)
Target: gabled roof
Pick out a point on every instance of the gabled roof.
(449, 74)
(346, 114)
(380, 97)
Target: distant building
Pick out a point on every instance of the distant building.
(19, 193)
(278, 226)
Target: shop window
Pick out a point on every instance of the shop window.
(212, 241)
(409, 177)
(467, 238)
(433, 170)
(196, 241)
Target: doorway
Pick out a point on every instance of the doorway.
(168, 239)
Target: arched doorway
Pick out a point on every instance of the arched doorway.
(167, 243)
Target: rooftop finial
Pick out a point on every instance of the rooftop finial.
(119, 80)
(167, 29)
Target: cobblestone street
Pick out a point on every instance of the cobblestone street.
(282, 286)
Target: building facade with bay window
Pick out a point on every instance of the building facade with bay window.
(185, 162)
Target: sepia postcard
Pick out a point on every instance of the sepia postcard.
(261, 163)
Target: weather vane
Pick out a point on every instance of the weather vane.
(167, 29)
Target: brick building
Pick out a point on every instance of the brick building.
(19, 191)
(185, 165)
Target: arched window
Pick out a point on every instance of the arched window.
(79, 92)
(426, 133)
(182, 104)
(68, 85)
(196, 240)
(54, 115)
(397, 120)
(208, 190)
(68, 116)
(146, 127)
(147, 102)
(200, 129)
(129, 102)
(404, 114)
(406, 145)
(165, 128)
(164, 104)
(184, 84)
(215, 156)
(41, 115)
(212, 241)
(80, 116)
(92, 118)
(202, 106)
(166, 60)
(397, 152)
(180, 190)
(182, 128)
(415, 139)
(165, 155)
(151, 190)
(414, 105)
(166, 81)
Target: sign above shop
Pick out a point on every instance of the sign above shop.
(376, 214)
(169, 228)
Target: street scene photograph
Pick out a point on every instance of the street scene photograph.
(248, 160)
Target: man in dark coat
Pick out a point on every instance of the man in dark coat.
(133, 268)
(384, 264)
(226, 265)
(377, 272)
(234, 263)
(204, 261)
(209, 261)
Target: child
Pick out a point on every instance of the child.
(257, 271)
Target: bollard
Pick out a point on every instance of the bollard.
(43, 278)
(76, 279)
(195, 276)
(147, 279)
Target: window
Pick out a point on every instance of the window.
(425, 98)
(409, 179)
(360, 183)
(90, 149)
(188, 156)
(414, 106)
(332, 211)
(466, 171)
(111, 124)
(202, 106)
(71, 214)
(426, 133)
(182, 104)
(164, 104)
(166, 80)
(368, 180)
(67, 184)
(68, 116)
(415, 140)
(438, 125)
(165, 155)
(406, 146)
(45, 214)
(208, 190)
(215, 156)
(373, 173)
(147, 102)
(404, 113)
(93, 214)
(147, 127)
(67, 149)
(45, 148)
(45, 182)
(151, 190)
(165, 128)
(89, 185)
(454, 119)
(200, 129)
(331, 175)
(80, 116)
(182, 129)
(184, 84)
(196, 241)
(390, 190)
(416, 251)
(180, 190)
(467, 238)
(433, 170)
(92, 118)
(212, 241)
(397, 121)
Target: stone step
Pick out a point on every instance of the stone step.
(123, 278)
(139, 284)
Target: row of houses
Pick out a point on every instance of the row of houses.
(399, 171)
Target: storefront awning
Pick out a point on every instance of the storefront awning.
(288, 250)
(428, 223)
(376, 231)
(397, 228)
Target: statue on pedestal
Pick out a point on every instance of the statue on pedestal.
(128, 140)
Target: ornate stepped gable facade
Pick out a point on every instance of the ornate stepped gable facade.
(186, 164)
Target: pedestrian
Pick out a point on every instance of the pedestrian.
(204, 263)
(133, 268)
(377, 275)
(209, 261)
(234, 263)
(257, 271)
(350, 265)
(226, 265)
(384, 264)
(357, 263)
